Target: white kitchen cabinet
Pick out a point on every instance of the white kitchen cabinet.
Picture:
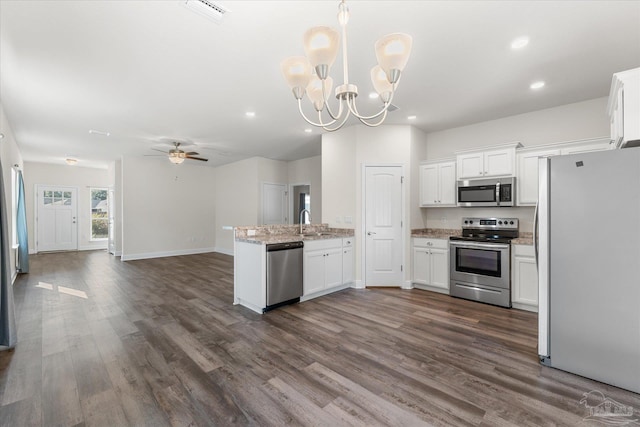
(527, 175)
(438, 184)
(497, 162)
(586, 146)
(624, 106)
(431, 264)
(322, 265)
(524, 278)
(347, 261)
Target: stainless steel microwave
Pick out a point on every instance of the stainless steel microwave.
(486, 192)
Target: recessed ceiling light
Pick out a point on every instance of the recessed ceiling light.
(374, 95)
(520, 42)
(99, 132)
(411, 117)
(308, 130)
(1, 135)
(537, 85)
(250, 113)
(71, 161)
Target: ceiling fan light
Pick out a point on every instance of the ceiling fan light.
(176, 160)
(321, 46)
(392, 52)
(297, 73)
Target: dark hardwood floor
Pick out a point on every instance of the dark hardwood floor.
(158, 342)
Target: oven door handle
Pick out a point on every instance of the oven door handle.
(479, 245)
(476, 288)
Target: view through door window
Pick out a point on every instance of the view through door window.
(99, 214)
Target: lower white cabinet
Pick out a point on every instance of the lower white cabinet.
(327, 265)
(524, 278)
(347, 260)
(431, 264)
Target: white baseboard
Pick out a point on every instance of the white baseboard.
(149, 255)
(432, 289)
(527, 307)
(407, 285)
(223, 251)
(324, 292)
(92, 248)
(357, 284)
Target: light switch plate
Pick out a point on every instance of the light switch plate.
(348, 219)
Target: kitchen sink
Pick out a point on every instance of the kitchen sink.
(317, 234)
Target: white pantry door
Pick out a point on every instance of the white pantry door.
(274, 204)
(383, 226)
(57, 213)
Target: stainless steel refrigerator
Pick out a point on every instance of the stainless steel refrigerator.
(588, 254)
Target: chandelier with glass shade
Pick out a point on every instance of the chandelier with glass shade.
(310, 74)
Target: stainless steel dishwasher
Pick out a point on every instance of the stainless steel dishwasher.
(284, 274)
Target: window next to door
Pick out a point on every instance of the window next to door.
(99, 214)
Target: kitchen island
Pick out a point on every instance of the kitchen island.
(327, 261)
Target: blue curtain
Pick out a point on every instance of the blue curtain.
(21, 228)
(8, 335)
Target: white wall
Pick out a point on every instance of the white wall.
(309, 170)
(344, 153)
(9, 156)
(67, 176)
(167, 209)
(582, 120)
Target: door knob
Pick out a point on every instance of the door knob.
(370, 233)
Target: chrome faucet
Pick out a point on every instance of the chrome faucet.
(302, 216)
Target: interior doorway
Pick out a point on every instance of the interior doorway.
(300, 200)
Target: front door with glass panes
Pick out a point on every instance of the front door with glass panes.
(57, 218)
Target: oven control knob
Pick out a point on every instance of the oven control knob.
(511, 222)
(471, 222)
(466, 222)
(500, 222)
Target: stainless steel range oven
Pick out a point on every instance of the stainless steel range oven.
(481, 260)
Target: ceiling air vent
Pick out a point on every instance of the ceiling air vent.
(208, 9)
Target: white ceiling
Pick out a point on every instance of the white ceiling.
(152, 71)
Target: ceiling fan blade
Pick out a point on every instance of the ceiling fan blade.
(197, 158)
(191, 153)
(154, 155)
(162, 151)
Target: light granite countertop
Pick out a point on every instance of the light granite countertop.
(285, 234)
(525, 238)
(436, 233)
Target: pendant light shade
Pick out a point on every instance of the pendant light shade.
(310, 75)
(393, 52)
(297, 73)
(321, 46)
(314, 90)
(381, 83)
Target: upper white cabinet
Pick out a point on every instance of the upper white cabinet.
(496, 162)
(438, 184)
(527, 164)
(527, 176)
(624, 107)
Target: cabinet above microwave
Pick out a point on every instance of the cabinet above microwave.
(498, 161)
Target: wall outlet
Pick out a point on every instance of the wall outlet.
(348, 220)
(251, 232)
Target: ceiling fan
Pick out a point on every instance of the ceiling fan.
(177, 156)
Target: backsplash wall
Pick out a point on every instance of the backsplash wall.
(452, 217)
